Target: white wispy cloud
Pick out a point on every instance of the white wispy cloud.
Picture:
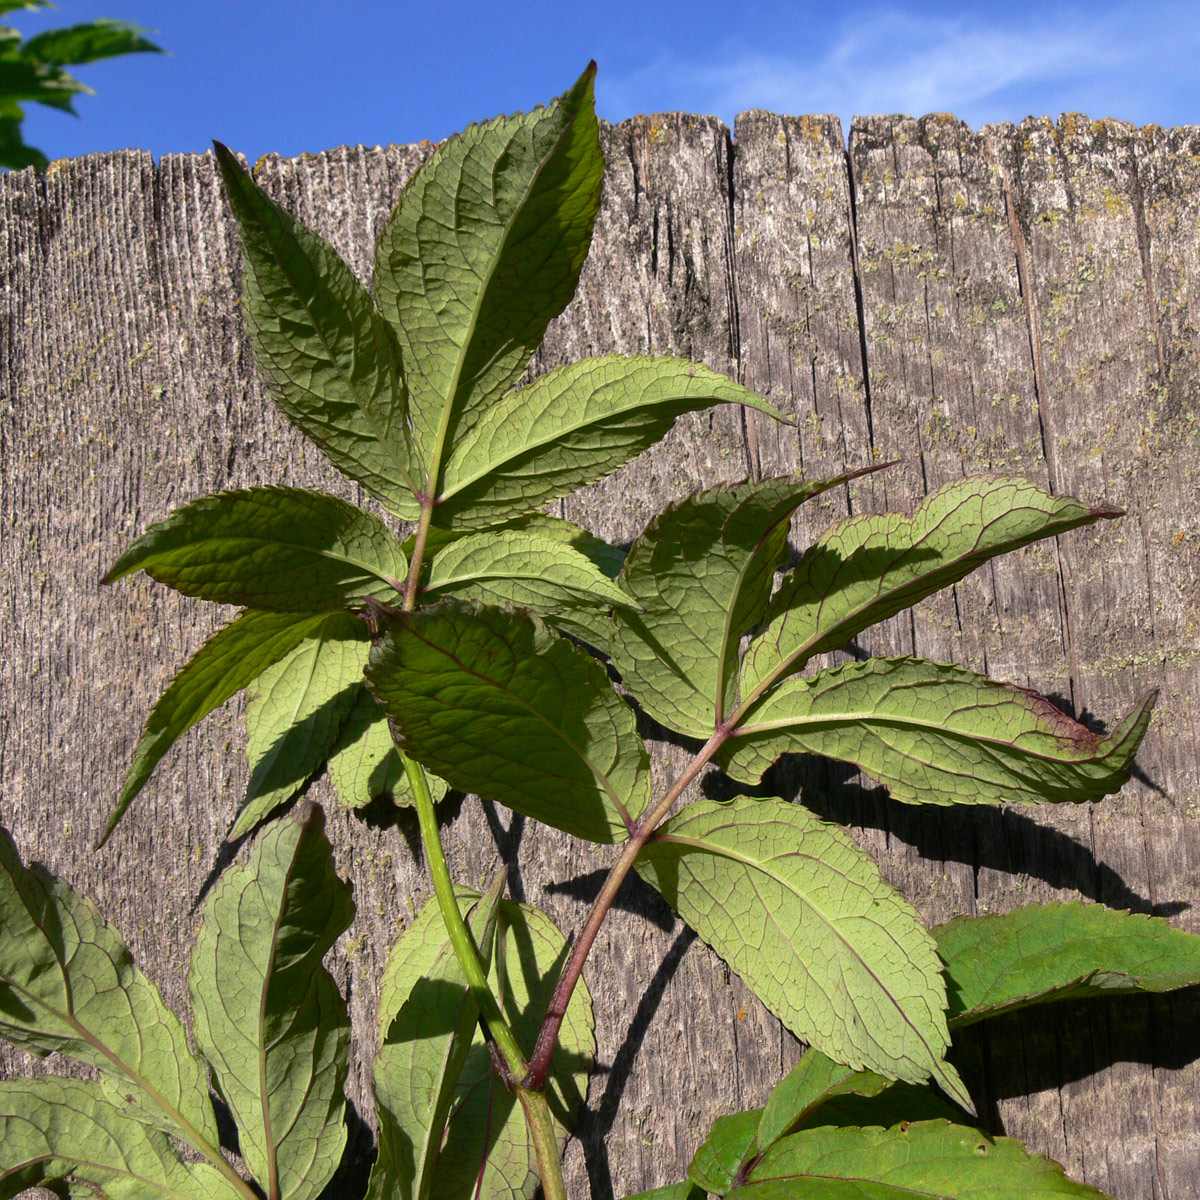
(1107, 60)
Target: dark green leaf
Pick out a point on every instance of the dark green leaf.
(483, 251)
(87, 43)
(700, 577)
(295, 714)
(938, 734)
(819, 1091)
(268, 1016)
(14, 153)
(427, 1022)
(272, 549)
(65, 1134)
(1044, 952)
(931, 1159)
(686, 1190)
(803, 916)
(232, 658)
(329, 360)
(868, 568)
(730, 1142)
(569, 427)
(497, 704)
(68, 984)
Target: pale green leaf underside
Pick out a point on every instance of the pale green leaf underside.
(1055, 951)
(365, 763)
(68, 984)
(805, 919)
(486, 1121)
(329, 360)
(570, 427)
(66, 1134)
(529, 570)
(699, 579)
(868, 568)
(427, 1018)
(295, 713)
(498, 705)
(268, 1016)
(938, 734)
(229, 661)
(482, 252)
(935, 1160)
(272, 549)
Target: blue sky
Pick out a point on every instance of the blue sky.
(310, 74)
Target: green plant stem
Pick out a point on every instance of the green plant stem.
(540, 1125)
(460, 936)
(543, 1052)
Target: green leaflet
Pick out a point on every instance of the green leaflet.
(819, 1091)
(68, 983)
(365, 763)
(427, 1021)
(1055, 951)
(328, 359)
(686, 1190)
(730, 1142)
(496, 704)
(272, 549)
(528, 569)
(700, 577)
(483, 251)
(803, 916)
(232, 658)
(88, 42)
(931, 1159)
(295, 713)
(570, 427)
(268, 1016)
(938, 734)
(868, 568)
(67, 1135)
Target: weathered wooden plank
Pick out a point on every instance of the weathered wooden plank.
(127, 389)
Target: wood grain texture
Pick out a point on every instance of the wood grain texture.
(1019, 299)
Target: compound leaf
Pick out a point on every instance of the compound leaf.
(427, 1022)
(68, 984)
(1044, 952)
(270, 548)
(868, 568)
(803, 916)
(497, 704)
(365, 763)
(329, 360)
(268, 1016)
(230, 660)
(66, 1135)
(699, 579)
(483, 251)
(938, 734)
(933, 1159)
(295, 713)
(570, 427)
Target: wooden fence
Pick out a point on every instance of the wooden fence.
(1024, 299)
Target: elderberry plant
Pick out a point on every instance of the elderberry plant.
(471, 655)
